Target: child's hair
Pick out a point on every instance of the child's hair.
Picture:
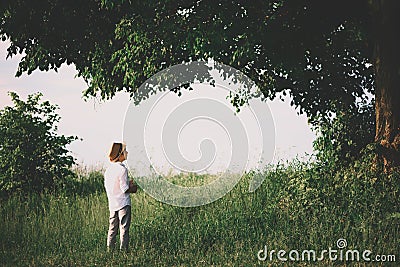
(116, 150)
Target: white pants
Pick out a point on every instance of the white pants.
(119, 219)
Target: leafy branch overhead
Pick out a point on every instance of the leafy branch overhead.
(117, 45)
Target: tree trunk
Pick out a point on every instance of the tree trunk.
(387, 80)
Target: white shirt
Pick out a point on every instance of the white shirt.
(116, 183)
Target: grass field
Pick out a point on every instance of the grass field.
(298, 207)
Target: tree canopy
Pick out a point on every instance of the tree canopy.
(314, 48)
(323, 53)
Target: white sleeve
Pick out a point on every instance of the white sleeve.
(123, 180)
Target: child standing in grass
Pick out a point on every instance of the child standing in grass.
(118, 188)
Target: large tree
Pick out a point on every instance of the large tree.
(328, 55)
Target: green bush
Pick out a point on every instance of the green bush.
(342, 138)
(33, 156)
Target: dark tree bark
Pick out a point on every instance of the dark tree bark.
(387, 80)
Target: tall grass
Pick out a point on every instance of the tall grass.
(299, 206)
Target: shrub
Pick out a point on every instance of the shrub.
(342, 138)
(33, 156)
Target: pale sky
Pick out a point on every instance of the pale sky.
(99, 124)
